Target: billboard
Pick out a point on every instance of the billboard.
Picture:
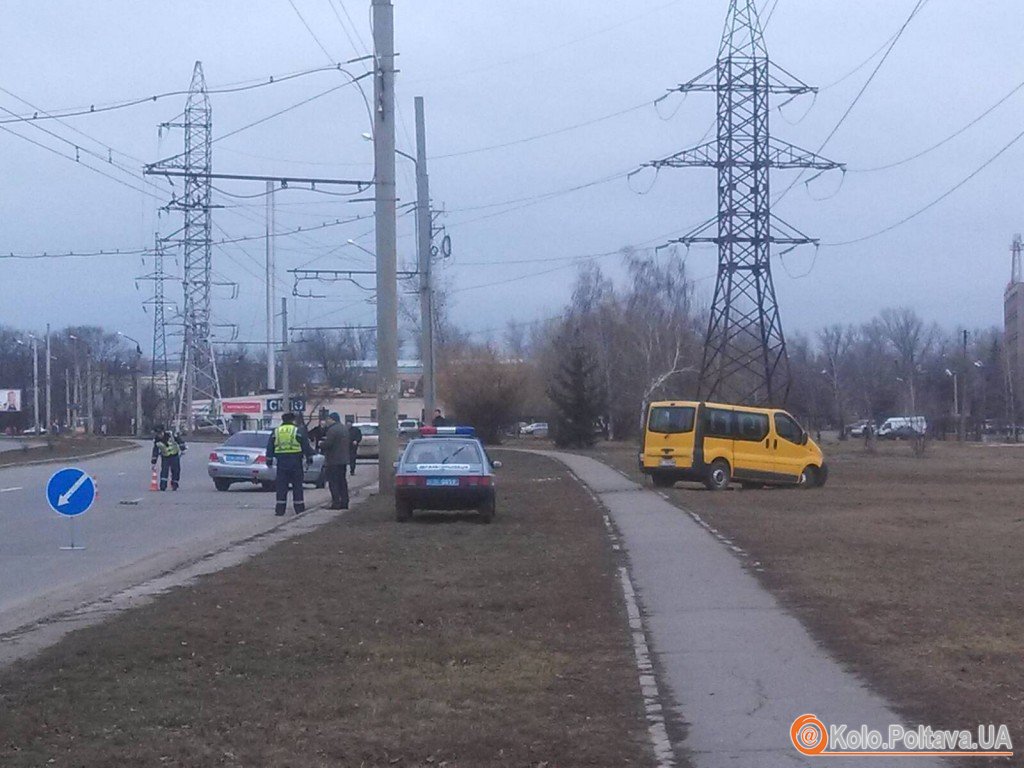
(10, 400)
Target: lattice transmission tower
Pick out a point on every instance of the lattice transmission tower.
(198, 379)
(745, 350)
(161, 378)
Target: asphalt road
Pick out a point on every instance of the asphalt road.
(129, 535)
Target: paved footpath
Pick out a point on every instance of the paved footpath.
(738, 667)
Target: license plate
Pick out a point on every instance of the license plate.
(442, 482)
(668, 462)
(234, 458)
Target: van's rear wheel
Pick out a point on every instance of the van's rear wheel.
(718, 476)
(662, 480)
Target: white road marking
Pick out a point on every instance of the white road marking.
(8, 490)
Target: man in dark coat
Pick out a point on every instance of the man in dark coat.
(288, 446)
(336, 446)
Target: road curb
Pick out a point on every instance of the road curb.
(61, 459)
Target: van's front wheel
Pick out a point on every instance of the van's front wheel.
(812, 477)
(718, 476)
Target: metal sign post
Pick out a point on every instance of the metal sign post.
(70, 492)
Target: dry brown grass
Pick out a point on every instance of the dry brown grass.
(59, 448)
(908, 568)
(439, 642)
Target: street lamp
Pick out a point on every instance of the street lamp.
(35, 378)
(138, 389)
(88, 383)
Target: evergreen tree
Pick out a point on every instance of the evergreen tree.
(576, 394)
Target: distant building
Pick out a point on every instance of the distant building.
(1013, 324)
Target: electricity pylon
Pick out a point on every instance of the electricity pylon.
(198, 379)
(745, 350)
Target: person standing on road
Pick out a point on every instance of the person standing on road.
(336, 447)
(439, 419)
(168, 447)
(288, 446)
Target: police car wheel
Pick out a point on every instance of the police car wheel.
(403, 511)
(267, 486)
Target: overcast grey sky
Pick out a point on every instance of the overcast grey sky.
(495, 72)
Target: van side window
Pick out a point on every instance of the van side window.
(751, 426)
(718, 423)
(787, 428)
(671, 420)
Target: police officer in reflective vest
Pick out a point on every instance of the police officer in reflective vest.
(168, 448)
(288, 447)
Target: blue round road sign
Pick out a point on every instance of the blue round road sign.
(70, 492)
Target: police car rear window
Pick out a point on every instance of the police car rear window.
(436, 451)
(671, 420)
(247, 440)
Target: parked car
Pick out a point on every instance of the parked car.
(32, 431)
(243, 459)
(857, 428)
(446, 469)
(902, 428)
(369, 445)
(537, 429)
(409, 427)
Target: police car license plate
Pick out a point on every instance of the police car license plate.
(234, 458)
(668, 462)
(442, 482)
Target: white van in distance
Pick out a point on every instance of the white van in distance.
(902, 428)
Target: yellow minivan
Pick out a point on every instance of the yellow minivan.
(717, 444)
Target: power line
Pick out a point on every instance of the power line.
(946, 140)
(934, 202)
(856, 99)
(547, 134)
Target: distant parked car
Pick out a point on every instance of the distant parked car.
(409, 427)
(857, 428)
(537, 429)
(369, 446)
(32, 431)
(243, 459)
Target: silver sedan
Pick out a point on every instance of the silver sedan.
(243, 459)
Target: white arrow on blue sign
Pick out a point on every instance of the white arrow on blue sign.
(70, 492)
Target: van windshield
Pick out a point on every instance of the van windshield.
(671, 420)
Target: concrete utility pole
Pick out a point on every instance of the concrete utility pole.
(49, 383)
(67, 396)
(89, 392)
(271, 375)
(286, 395)
(387, 258)
(35, 381)
(425, 235)
(963, 408)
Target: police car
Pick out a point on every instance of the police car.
(444, 468)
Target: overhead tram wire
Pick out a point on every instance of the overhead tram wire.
(310, 30)
(57, 114)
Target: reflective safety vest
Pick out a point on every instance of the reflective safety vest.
(170, 448)
(286, 439)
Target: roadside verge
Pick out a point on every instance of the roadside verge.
(439, 642)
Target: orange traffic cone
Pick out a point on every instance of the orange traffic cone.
(153, 484)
